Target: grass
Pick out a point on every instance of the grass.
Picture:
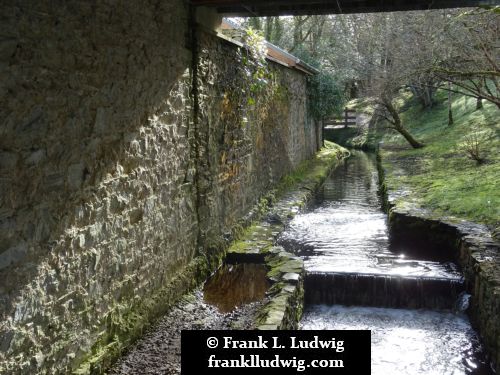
(440, 176)
(364, 105)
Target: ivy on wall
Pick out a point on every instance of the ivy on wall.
(326, 94)
(326, 97)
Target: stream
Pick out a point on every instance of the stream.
(410, 297)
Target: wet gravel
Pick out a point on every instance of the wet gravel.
(159, 350)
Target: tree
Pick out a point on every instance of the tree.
(304, 37)
(473, 63)
(417, 57)
(382, 66)
(380, 54)
(325, 93)
(325, 96)
(392, 116)
(450, 112)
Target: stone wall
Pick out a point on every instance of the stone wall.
(248, 139)
(115, 170)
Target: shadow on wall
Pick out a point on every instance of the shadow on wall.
(106, 178)
(95, 170)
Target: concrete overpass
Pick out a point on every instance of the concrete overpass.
(259, 8)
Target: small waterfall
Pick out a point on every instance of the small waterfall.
(382, 290)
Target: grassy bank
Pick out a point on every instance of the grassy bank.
(441, 177)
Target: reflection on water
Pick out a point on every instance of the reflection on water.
(235, 285)
(347, 231)
(409, 342)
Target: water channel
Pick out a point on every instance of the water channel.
(411, 297)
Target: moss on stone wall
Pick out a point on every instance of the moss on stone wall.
(130, 322)
(286, 303)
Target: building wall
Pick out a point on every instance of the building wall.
(116, 170)
(251, 136)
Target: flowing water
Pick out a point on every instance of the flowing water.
(356, 280)
(347, 230)
(408, 342)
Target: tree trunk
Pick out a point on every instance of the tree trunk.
(269, 29)
(254, 23)
(278, 31)
(297, 32)
(398, 126)
(425, 95)
(411, 140)
(479, 103)
(427, 98)
(450, 113)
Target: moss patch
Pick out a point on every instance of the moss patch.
(127, 322)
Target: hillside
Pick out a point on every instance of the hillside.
(441, 176)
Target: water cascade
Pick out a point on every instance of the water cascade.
(349, 288)
(410, 294)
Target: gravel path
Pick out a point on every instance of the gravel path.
(159, 350)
